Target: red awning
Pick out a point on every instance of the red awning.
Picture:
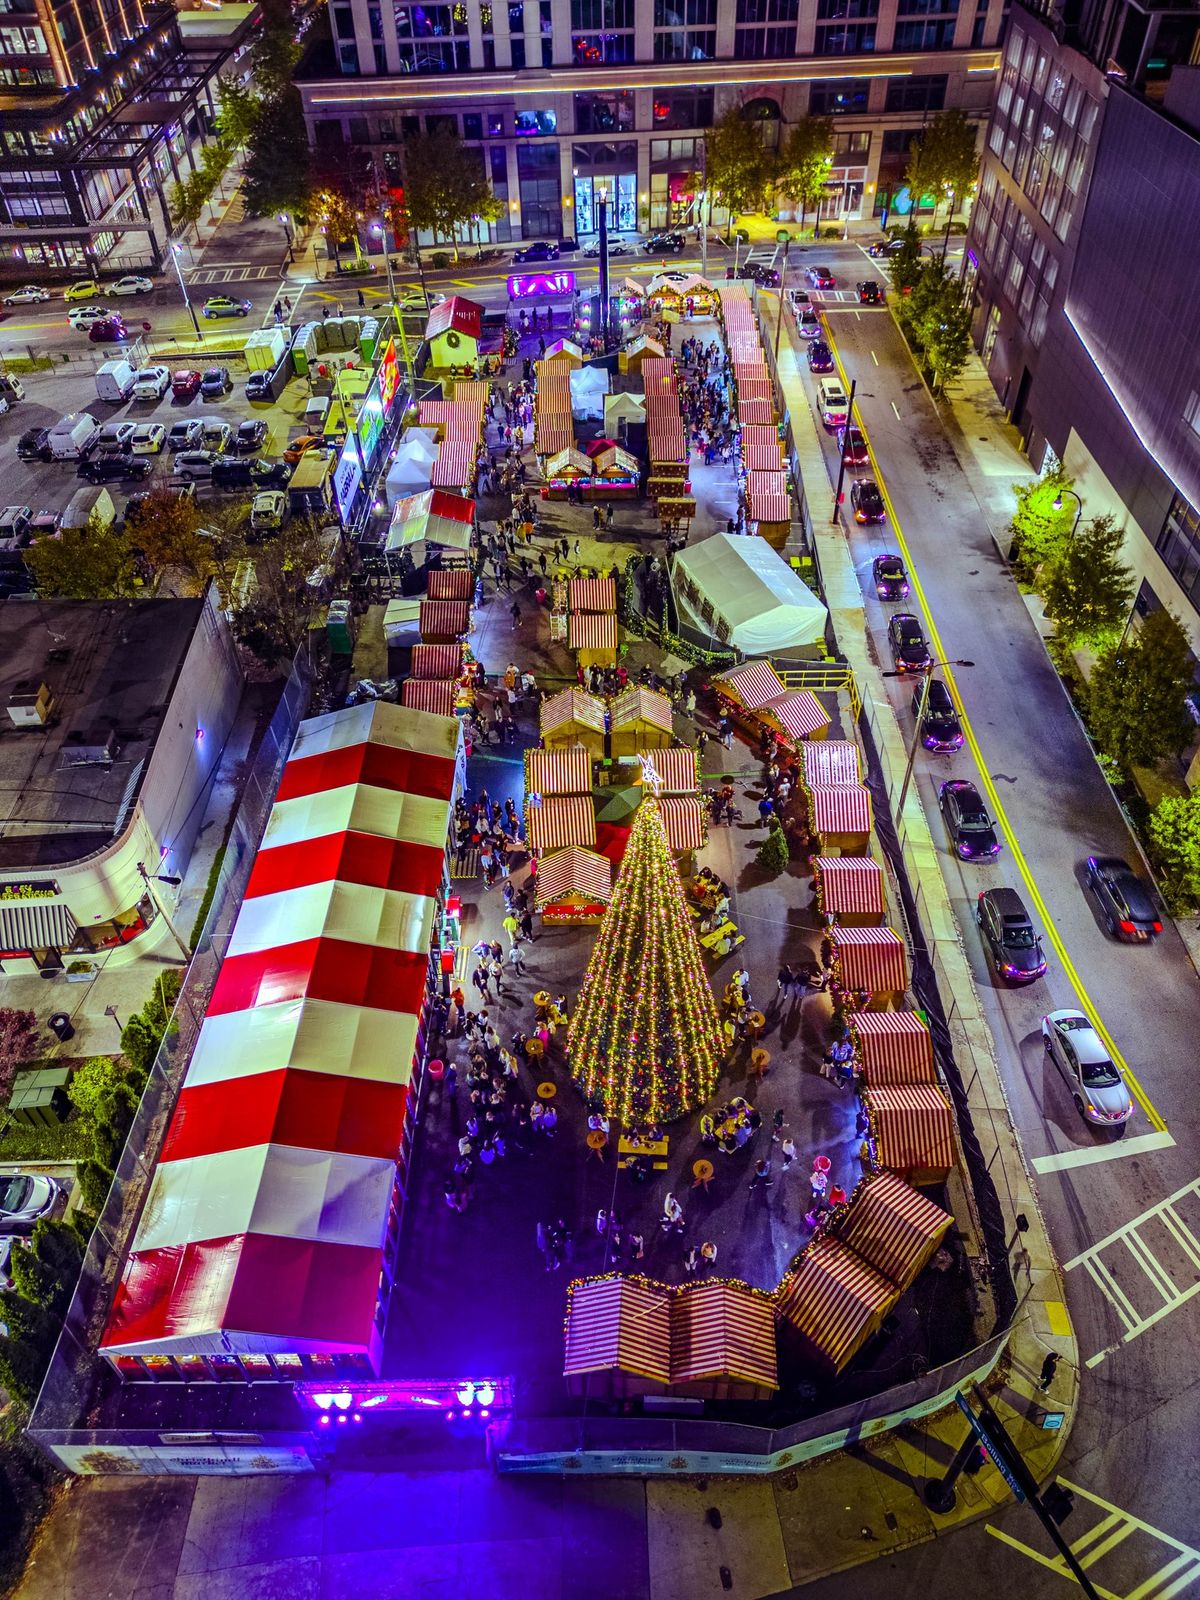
(438, 695)
(591, 630)
(768, 495)
(760, 450)
(835, 1299)
(571, 707)
(893, 1227)
(636, 704)
(849, 884)
(841, 810)
(683, 821)
(556, 772)
(756, 411)
(455, 465)
(553, 434)
(307, 1110)
(323, 969)
(450, 583)
(437, 661)
(443, 619)
(592, 594)
(752, 684)
(618, 1324)
(871, 958)
(573, 871)
(800, 714)
(830, 763)
(351, 858)
(913, 1124)
(723, 1330)
(894, 1047)
(676, 770)
(560, 821)
(380, 765)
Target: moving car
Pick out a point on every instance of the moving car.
(108, 468)
(1014, 947)
(969, 825)
(231, 473)
(223, 305)
(616, 247)
(853, 445)
(867, 502)
(29, 294)
(820, 277)
(940, 729)
(540, 250)
(809, 327)
(1126, 905)
(185, 383)
(132, 283)
(148, 439)
(249, 437)
(834, 402)
(767, 277)
(151, 383)
(84, 316)
(109, 330)
(907, 643)
(115, 435)
(24, 1198)
(191, 465)
(1094, 1079)
(820, 356)
(267, 510)
(31, 446)
(883, 248)
(83, 289)
(870, 294)
(185, 435)
(665, 244)
(889, 577)
(215, 383)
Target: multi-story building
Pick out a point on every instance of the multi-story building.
(565, 97)
(1081, 256)
(100, 104)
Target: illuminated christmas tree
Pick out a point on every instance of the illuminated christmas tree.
(645, 1039)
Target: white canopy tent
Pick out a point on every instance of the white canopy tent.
(412, 469)
(589, 385)
(622, 407)
(744, 593)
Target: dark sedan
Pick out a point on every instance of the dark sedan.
(540, 250)
(662, 244)
(109, 468)
(108, 330)
(940, 729)
(870, 294)
(249, 437)
(820, 357)
(1008, 933)
(969, 825)
(820, 277)
(883, 248)
(765, 277)
(907, 643)
(1126, 905)
(889, 577)
(866, 501)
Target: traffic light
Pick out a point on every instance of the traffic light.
(1058, 1502)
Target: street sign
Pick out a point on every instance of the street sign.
(994, 1452)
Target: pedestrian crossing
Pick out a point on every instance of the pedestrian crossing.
(1149, 1268)
(234, 272)
(469, 867)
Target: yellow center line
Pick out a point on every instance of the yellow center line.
(1086, 1002)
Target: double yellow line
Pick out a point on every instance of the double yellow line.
(1153, 1116)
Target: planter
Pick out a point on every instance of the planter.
(82, 977)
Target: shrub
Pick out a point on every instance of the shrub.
(773, 853)
(95, 1180)
(1175, 842)
(440, 259)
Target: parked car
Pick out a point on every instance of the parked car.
(540, 250)
(84, 316)
(1099, 1091)
(1008, 935)
(232, 472)
(820, 356)
(940, 729)
(217, 433)
(110, 330)
(29, 294)
(185, 383)
(25, 1197)
(1125, 902)
(223, 305)
(866, 501)
(907, 643)
(151, 383)
(185, 435)
(115, 435)
(109, 468)
(890, 577)
(970, 827)
(616, 247)
(148, 439)
(82, 289)
(834, 402)
(193, 465)
(258, 386)
(853, 445)
(215, 383)
(132, 283)
(820, 277)
(267, 510)
(870, 294)
(665, 244)
(31, 446)
(249, 437)
(757, 272)
(301, 446)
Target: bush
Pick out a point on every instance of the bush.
(773, 852)
(1174, 830)
(439, 259)
(95, 1180)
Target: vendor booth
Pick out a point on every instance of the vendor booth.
(833, 1302)
(412, 468)
(893, 1227)
(618, 1337)
(912, 1129)
(685, 826)
(573, 717)
(592, 594)
(626, 408)
(871, 961)
(452, 332)
(795, 717)
(450, 583)
(553, 772)
(438, 695)
(676, 770)
(556, 821)
(641, 720)
(564, 353)
(616, 475)
(749, 686)
(691, 296)
(454, 468)
(638, 350)
(769, 506)
(760, 449)
(741, 592)
(892, 1047)
(573, 886)
(593, 638)
(433, 526)
(850, 890)
(444, 621)
(437, 661)
(839, 819)
(567, 469)
(830, 764)
(723, 1342)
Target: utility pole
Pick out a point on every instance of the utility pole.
(841, 483)
(704, 201)
(175, 254)
(158, 877)
(602, 211)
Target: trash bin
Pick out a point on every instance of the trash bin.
(60, 1026)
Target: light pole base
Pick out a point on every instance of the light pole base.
(939, 1496)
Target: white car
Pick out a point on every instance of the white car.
(27, 295)
(1099, 1091)
(132, 284)
(267, 510)
(151, 383)
(84, 316)
(148, 439)
(217, 434)
(24, 1198)
(834, 403)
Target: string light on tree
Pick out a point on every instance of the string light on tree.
(645, 1040)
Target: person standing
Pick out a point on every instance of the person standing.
(708, 1256)
(788, 1151)
(516, 960)
(762, 1178)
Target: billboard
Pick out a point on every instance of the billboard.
(347, 477)
(541, 286)
(377, 404)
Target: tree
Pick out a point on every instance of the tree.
(275, 620)
(21, 1041)
(805, 164)
(946, 335)
(773, 852)
(92, 563)
(337, 217)
(1087, 588)
(943, 162)
(445, 184)
(99, 1088)
(1175, 844)
(906, 266)
(275, 51)
(736, 163)
(22, 1368)
(276, 168)
(1042, 523)
(165, 527)
(214, 163)
(1138, 694)
(187, 199)
(94, 1180)
(238, 111)
(645, 1040)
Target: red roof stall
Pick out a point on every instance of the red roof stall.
(573, 885)
(272, 1210)
(871, 959)
(560, 821)
(723, 1342)
(618, 1337)
(893, 1047)
(443, 621)
(850, 889)
(834, 1302)
(893, 1227)
(550, 772)
(439, 695)
(830, 764)
(912, 1125)
(840, 818)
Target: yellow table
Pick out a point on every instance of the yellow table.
(657, 1148)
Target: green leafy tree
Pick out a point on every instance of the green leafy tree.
(277, 163)
(238, 110)
(920, 310)
(187, 199)
(1043, 519)
(275, 51)
(943, 162)
(805, 164)
(98, 1088)
(1088, 589)
(946, 335)
(1175, 844)
(92, 563)
(445, 184)
(274, 620)
(1137, 694)
(22, 1368)
(214, 164)
(31, 1324)
(55, 1244)
(34, 1279)
(737, 165)
(337, 217)
(165, 527)
(905, 267)
(773, 852)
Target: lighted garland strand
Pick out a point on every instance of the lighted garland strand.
(646, 1040)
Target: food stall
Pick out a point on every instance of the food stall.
(723, 1342)
(565, 470)
(552, 822)
(452, 332)
(564, 354)
(692, 296)
(618, 1337)
(450, 583)
(912, 1131)
(770, 506)
(893, 1227)
(593, 638)
(638, 350)
(850, 890)
(796, 717)
(686, 828)
(892, 1047)
(592, 594)
(760, 449)
(871, 961)
(438, 695)
(641, 720)
(573, 717)
(617, 475)
(830, 763)
(444, 621)
(573, 885)
(554, 772)
(437, 661)
(839, 819)
(454, 467)
(832, 1302)
(677, 770)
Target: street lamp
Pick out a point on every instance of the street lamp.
(1058, 500)
(787, 245)
(288, 234)
(926, 680)
(378, 231)
(163, 877)
(176, 252)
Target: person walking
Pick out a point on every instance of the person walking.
(1049, 1368)
(516, 960)
(510, 926)
(788, 1151)
(496, 970)
(515, 614)
(672, 1217)
(762, 1178)
(777, 1126)
(785, 978)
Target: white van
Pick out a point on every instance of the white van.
(72, 436)
(115, 380)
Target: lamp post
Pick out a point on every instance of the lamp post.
(288, 235)
(176, 252)
(149, 878)
(926, 680)
(380, 232)
(1058, 500)
(841, 483)
(787, 245)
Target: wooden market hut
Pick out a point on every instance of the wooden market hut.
(568, 466)
(641, 720)
(640, 349)
(592, 594)
(830, 763)
(430, 694)
(770, 505)
(558, 771)
(850, 890)
(893, 1227)
(672, 294)
(618, 1337)
(893, 1047)
(557, 821)
(723, 1342)
(444, 621)
(685, 826)
(453, 331)
(833, 1302)
(748, 687)
(450, 583)
(678, 770)
(760, 449)
(593, 637)
(912, 1127)
(617, 473)
(796, 717)
(564, 353)
(870, 959)
(573, 717)
(437, 661)
(573, 885)
(840, 817)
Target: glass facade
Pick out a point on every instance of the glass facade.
(1179, 546)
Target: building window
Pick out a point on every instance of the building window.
(934, 33)
(851, 149)
(432, 38)
(540, 190)
(916, 94)
(845, 38)
(472, 125)
(685, 44)
(604, 113)
(343, 22)
(495, 124)
(677, 152)
(601, 31)
(764, 44)
(833, 97)
(1179, 546)
(684, 108)
(606, 156)
(535, 122)
(360, 130)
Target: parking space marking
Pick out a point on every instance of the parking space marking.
(1128, 1243)
(1091, 1155)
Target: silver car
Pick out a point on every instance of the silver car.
(1093, 1077)
(25, 1197)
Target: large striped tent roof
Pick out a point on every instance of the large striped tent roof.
(550, 772)
(849, 884)
(835, 1299)
(560, 821)
(831, 763)
(913, 1125)
(437, 661)
(683, 821)
(893, 1227)
(752, 684)
(800, 714)
(592, 594)
(723, 1330)
(572, 706)
(451, 583)
(870, 958)
(676, 769)
(760, 449)
(843, 808)
(621, 1324)
(438, 695)
(591, 630)
(573, 871)
(265, 1224)
(893, 1047)
(636, 704)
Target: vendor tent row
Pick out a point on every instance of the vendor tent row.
(665, 440)
(717, 1339)
(459, 426)
(767, 496)
(272, 1215)
(583, 611)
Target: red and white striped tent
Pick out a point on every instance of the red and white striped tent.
(443, 620)
(893, 1227)
(270, 1209)
(573, 717)
(756, 413)
(754, 389)
(455, 465)
(677, 770)
(683, 821)
(830, 763)
(870, 958)
(723, 1342)
(797, 716)
(913, 1128)
(592, 594)
(618, 1335)
(452, 419)
(559, 821)
(760, 449)
(593, 635)
(752, 685)
(835, 1301)
(429, 694)
(893, 1047)
(665, 440)
(841, 813)
(767, 493)
(437, 661)
(849, 887)
(450, 583)
(575, 877)
(553, 772)
(552, 434)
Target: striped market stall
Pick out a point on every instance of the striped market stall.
(833, 1302)
(830, 764)
(433, 524)
(552, 434)
(618, 1337)
(723, 1342)
(641, 720)
(760, 449)
(912, 1128)
(437, 661)
(677, 769)
(556, 772)
(640, 350)
(665, 439)
(430, 694)
(593, 637)
(560, 821)
(770, 504)
(850, 890)
(592, 594)
(893, 1047)
(455, 466)
(759, 413)
(564, 353)
(893, 1227)
(796, 717)
(452, 420)
(750, 686)
(840, 818)
(573, 717)
(683, 822)
(443, 621)
(450, 583)
(573, 885)
(870, 959)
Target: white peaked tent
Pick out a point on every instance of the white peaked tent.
(747, 595)
(412, 469)
(589, 385)
(623, 406)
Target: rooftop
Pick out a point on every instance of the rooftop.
(67, 786)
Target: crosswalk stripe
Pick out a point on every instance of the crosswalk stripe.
(1186, 1240)
(1112, 1291)
(1151, 1586)
(1151, 1266)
